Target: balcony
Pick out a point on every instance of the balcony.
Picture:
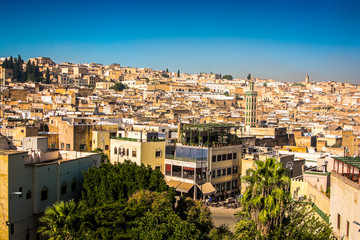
(186, 159)
(137, 139)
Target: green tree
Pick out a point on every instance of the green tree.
(228, 77)
(178, 73)
(59, 221)
(104, 157)
(248, 77)
(119, 87)
(269, 212)
(221, 233)
(47, 76)
(206, 89)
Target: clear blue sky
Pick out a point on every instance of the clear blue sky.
(282, 40)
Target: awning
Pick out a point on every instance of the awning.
(207, 188)
(173, 183)
(184, 187)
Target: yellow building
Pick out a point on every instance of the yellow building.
(145, 149)
(101, 139)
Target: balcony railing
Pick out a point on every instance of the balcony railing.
(186, 159)
(137, 139)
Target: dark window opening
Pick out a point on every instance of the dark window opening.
(63, 188)
(44, 194)
(73, 185)
(28, 195)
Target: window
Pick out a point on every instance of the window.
(63, 188)
(158, 168)
(338, 221)
(158, 153)
(347, 228)
(229, 156)
(44, 193)
(228, 184)
(22, 131)
(133, 153)
(115, 150)
(222, 186)
(235, 169)
(224, 157)
(62, 145)
(106, 147)
(73, 185)
(213, 174)
(127, 152)
(214, 158)
(82, 147)
(219, 158)
(234, 184)
(28, 195)
(224, 172)
(234, 155)
(68, 147)
(219, 173)
(229, 171)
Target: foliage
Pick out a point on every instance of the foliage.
(106, 212)
(269, 212)
(298, 84)
(248, 77)
(178, 73)
(60, 220)
(111, 183)
(228, 77)
(33, 72)
(206, 89)
(104, 157)
(16, 65)
(119, 87)
(47, 76)
(221, 233)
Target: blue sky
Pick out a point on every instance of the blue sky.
(282, 40)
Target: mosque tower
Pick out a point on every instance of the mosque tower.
(251, 95)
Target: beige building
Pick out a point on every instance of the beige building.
(345, 206)
(147, 149)
(32, 180)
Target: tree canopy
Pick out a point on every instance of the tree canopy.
(127, 201)
(119, 87)
(228, 77)
(269, 212)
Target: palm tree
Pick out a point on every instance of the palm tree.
(59, 221)
(268, 188)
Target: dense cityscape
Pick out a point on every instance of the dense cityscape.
(93, 151)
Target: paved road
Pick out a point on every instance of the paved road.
(224, 216)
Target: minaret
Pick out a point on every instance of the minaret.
(307, 79)
(250, 112)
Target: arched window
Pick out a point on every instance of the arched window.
(63, 188)
(73, 185)
(115, 150)
(44, 193)
(127, 152)
(133, 152)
